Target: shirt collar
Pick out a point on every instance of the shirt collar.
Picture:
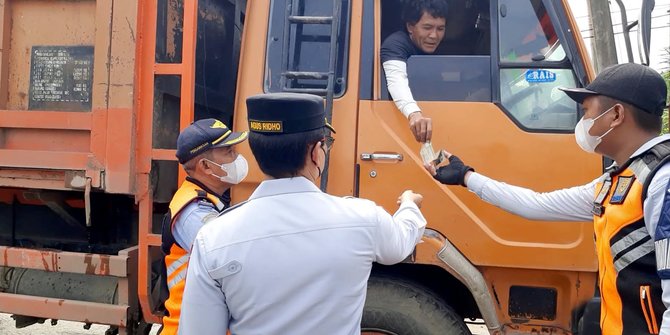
(224, 199)
(272, 187)
(650, 143)
(642, 149)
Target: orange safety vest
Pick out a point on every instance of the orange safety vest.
(176, 257)
(629, 284)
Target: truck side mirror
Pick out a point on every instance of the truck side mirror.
(644, 30)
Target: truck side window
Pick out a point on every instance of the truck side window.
(306, 47)
(534, 100)
(533, 65)
(460, 68)
(526, 32)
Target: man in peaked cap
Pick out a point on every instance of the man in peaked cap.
(206, 150)
(629, 204)
(292, 259)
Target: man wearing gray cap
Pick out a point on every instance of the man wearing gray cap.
(628, 204)
(292, 259)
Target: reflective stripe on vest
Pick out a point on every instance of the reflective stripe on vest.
(623, 253)
(177, 270)
(663, 254)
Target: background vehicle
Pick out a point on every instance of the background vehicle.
(93, 94)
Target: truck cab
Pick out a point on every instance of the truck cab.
(491, 90)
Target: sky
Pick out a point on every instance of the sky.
(660, 28)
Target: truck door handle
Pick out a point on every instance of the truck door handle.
(381, 157)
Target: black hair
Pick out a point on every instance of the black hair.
(283, 156)
(647, 121)
(413, 10)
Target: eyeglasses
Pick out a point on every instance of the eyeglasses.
(328, 142)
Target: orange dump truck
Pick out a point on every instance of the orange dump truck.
(94, 93)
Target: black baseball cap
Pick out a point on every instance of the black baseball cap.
(631, 83)
(203, 135)
(286, 113)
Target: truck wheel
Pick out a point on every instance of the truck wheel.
(397, 307)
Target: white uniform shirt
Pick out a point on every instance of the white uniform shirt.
(293, 260)
(575, 204)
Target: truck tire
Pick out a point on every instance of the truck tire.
(397, 307)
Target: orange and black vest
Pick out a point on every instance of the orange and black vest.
(630, 286)
(176, 256)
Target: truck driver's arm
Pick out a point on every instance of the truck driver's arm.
(398, 86)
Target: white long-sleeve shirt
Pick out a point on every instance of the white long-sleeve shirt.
(292, 260)
(395, 51)
(575, 204)
(398, 86)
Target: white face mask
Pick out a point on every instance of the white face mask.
(236, 170)
(585, 140)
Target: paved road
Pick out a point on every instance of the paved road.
(77, 328)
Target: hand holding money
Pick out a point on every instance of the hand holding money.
(454, 173)
(429, 156)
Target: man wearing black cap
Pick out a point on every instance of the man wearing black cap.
(292, 259)
(206, 151)
(631, 214)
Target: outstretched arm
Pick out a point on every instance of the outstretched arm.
(397, 235)
(570, 204)
(398, 86)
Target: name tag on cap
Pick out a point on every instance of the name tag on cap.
(623, 185)
(266, 126)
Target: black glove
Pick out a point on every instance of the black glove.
(454, 173)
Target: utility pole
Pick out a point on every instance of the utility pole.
(604, 47)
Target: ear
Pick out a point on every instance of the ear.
(204, 166)
(619, 113)
(409, 27)
(314, 154)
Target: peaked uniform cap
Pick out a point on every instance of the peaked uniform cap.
(286, 113)
(203, 135)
